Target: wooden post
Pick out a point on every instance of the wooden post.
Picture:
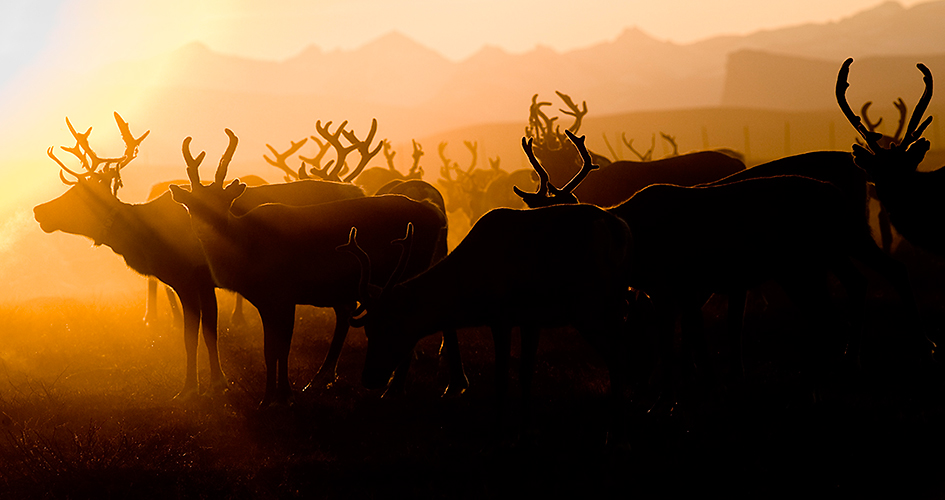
(747, 145)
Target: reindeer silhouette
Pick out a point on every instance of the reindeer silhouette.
(563, 265)
(154, 238)
(278, 256)
(728, 237)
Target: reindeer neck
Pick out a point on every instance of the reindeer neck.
(154, 237)
(222, 239)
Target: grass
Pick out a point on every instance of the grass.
(86, 391)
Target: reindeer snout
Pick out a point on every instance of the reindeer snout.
(41, 216)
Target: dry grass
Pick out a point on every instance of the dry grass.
(86, 391)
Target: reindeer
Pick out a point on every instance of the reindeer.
(909, 196)
(563, 265)
(156, 238)
(616, 181)
(278, 256)
(690, 242)
(151, 311)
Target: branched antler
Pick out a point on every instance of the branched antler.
(644, 156)
(280, 159)
(105, 168)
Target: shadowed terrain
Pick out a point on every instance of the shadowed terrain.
(85, 391)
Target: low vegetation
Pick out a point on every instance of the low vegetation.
(86, 391)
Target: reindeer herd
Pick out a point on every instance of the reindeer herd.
(675, 231)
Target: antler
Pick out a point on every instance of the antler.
(547, 194)
(110, 167)
(473, 148)
(415, 168)
(363, 147)
(869, 136)
(405, 244)
(193, 164)
(672, 141)
(542, 192)
(585, 168)
(389, 155)
(445, 168)
(866, 119)
(335, 140)
(220, 176)
(643, 157)
(280, 158)
(914, 130)
(494, 164)
(577, 113)
(316, 160)
(63, 166)
(368, 293)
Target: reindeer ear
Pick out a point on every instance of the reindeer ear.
(179, 194)
(235, 188)
(916, 152)
(860, 152)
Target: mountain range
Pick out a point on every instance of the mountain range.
(415, 92)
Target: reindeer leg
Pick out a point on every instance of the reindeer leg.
(208, 320)
(458, 381)
(398, 381)
(278, 321)
(172, 300)
(328, 372)
(191, 306)
(150, 314)
(238, 318)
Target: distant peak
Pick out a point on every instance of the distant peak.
(889, 8)
(393, 39)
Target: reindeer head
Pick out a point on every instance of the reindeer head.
(377, 313)
(547, 194)
(90, 205)
(550, 145)
(887, 162)
(209, 202)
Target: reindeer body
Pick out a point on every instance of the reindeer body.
(615, 182)
(277, 256)
(267, 254)
(563, 265)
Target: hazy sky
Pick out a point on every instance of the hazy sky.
(94, 31)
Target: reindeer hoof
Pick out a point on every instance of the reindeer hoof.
(219, 387)
(454, 390)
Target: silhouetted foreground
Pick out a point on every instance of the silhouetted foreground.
(86, 394)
